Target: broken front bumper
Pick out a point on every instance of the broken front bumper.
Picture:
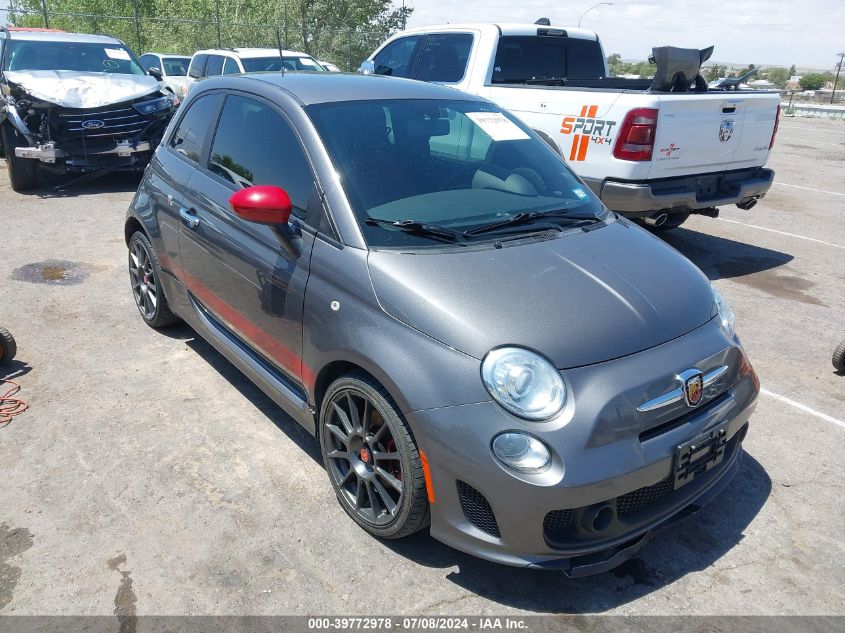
(50, 153)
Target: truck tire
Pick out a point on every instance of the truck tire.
(8, 347)
(22, 171)
(839, 357)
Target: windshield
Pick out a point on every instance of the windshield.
(265, 64)
(81, 57)
(176, 66)
(454, 164)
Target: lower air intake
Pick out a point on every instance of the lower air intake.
(477, 509)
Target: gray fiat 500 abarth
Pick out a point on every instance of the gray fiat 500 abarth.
(479, 346)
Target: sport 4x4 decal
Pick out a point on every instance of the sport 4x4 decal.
(586, 128)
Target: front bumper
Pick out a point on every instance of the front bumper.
(50, 153)
(602, 458)
(685, 192)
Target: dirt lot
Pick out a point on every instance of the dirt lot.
(150, 477)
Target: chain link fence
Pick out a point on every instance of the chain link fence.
(175, 33)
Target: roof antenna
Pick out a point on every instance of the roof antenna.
(543, 22)
(281, 56)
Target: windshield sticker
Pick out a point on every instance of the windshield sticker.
(117, 53)
(580, 193)
(497, 126)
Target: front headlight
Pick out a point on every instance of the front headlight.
(727, 319)
(523, 382)
(155, 105)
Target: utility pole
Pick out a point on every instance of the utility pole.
(836, 79)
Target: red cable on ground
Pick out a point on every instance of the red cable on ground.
(9, 406)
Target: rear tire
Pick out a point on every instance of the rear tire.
(8, 347)
(372, 459)
(839, 357)
(23, 172)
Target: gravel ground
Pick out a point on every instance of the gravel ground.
(150, 477)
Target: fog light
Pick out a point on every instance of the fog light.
(521, 452)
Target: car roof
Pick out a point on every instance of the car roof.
(168, 55)
(81, 38)
(247, 53)
(504, 28)
(323, 87)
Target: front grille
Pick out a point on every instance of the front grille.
(635, 501)
(556, 524)
(477, 509)
(561, 526)
(120, 122)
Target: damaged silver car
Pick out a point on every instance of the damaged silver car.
(76, 103)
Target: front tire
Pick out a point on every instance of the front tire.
(23, 174)
(145, 277)
(372, 459)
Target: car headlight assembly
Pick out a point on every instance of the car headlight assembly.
(155, 105)
(723, 311)
(523, 382)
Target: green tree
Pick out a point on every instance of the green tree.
(342, 31)
(792, 70)
(614, 63)
(714, 72)
(778, 76)
(812, 81)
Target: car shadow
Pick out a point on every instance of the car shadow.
(689, 546)
(722, 258)
(248, 389)
(68, 186)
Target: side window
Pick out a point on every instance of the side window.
(197, 68)
(193, 128)
(214, 66)
(230, 67)
(395, 59)
(254, 145)
(444, 57)
(147, 61)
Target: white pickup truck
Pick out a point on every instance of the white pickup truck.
(656, 150)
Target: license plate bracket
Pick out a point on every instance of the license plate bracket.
(700, 454)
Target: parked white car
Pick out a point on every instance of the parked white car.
(172, 68)
(231, 61)
(329, 66)
(657, 150)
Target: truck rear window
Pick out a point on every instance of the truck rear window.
(523, 58)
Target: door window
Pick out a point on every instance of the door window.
(197, 66)
(214, 66)
(444, 57)
(230, 67)
(254, 145)
(147, 61)
(395, 59)
(193, 128)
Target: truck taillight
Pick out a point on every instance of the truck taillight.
(775, 131)
(636, 137)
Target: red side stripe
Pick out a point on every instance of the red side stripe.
(574, 151)
(583, 110)
(592, 111)
(582, 151)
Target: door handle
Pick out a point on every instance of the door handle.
(189, 217)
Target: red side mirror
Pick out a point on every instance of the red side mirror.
(264, 204)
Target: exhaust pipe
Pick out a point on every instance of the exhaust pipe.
(658, 219)
(745, 205)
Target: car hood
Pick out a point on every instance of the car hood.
(580, 299)
(73, 89)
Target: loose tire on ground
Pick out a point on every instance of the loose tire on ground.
(23, 172)
(145, 278)
(8, 347)
(364, 432)
(839, 357)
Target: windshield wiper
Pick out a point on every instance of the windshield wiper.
(551, 81)
(530, 216)
(418, 228)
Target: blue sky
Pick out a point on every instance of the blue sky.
(783, 32)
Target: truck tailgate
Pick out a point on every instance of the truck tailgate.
(701, 133)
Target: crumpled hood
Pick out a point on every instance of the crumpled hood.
(580, 299)
(73, 89)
